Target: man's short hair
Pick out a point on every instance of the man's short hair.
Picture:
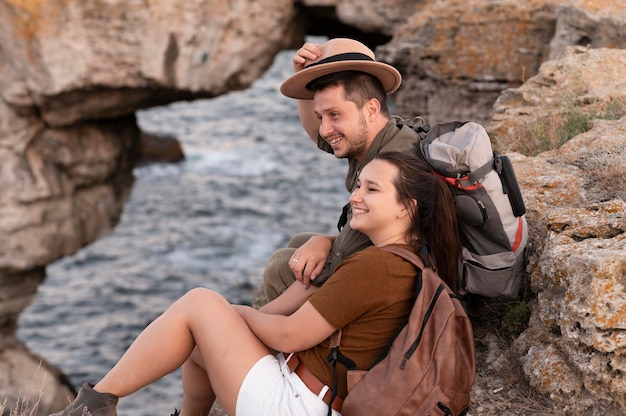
(359, 87)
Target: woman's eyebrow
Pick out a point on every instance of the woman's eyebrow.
(369, 182)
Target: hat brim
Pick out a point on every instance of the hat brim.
(295, 85)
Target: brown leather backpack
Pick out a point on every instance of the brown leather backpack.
(429, 366)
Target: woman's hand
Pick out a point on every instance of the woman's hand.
(309, 259)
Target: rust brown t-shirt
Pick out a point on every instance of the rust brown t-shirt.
(368, 297)
(395, 136)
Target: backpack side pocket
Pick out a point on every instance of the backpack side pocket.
(504, 282)
(510, 185)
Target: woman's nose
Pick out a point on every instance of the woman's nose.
(355, 195)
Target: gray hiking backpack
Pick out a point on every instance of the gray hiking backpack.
(489, 206)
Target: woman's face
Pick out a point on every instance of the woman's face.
(376, 210)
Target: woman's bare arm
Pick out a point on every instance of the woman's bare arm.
(290, 300)
(299, 331)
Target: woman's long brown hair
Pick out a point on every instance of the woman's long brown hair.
(433, 218)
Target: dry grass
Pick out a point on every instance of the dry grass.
(571, 119)
(606, 169)
(26, 404)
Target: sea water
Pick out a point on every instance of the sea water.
(251, 179)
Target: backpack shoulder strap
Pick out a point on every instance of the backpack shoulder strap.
(335, 356)
(443, 128)
(480, 173)
(335, 339)
(409, 255)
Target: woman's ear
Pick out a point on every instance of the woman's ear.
(409, 207)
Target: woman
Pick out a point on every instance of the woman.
(225, 349)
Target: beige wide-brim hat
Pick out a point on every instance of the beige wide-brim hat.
(340, 54)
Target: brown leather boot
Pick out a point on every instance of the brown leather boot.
(89, 402)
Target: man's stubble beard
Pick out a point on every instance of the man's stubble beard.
(358, 147)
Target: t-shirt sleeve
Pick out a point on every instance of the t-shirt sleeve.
(359, 285)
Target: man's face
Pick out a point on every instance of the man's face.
(342, 124)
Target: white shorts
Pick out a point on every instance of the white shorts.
(270, 389)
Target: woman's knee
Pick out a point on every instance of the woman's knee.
(201, 293)
(199, 297)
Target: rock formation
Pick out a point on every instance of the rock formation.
(467, 52)
(574, 349)
(72, 75)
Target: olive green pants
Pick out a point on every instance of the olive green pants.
(277, 276)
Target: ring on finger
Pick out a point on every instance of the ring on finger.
(295, 260)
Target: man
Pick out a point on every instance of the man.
(342, 103)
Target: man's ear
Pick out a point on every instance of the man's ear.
(373, 108)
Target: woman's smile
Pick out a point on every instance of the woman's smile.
(358, 211)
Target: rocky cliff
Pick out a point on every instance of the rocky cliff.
(574, 348)
(73, 73)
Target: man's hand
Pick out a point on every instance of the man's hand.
(309, 52)
(309, 259)
(306, 54)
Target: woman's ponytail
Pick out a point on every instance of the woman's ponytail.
(443, 233)
(433, 219)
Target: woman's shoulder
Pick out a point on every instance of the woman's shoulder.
(376, 255)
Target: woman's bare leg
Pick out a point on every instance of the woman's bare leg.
(198, 396)
(201, 317)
